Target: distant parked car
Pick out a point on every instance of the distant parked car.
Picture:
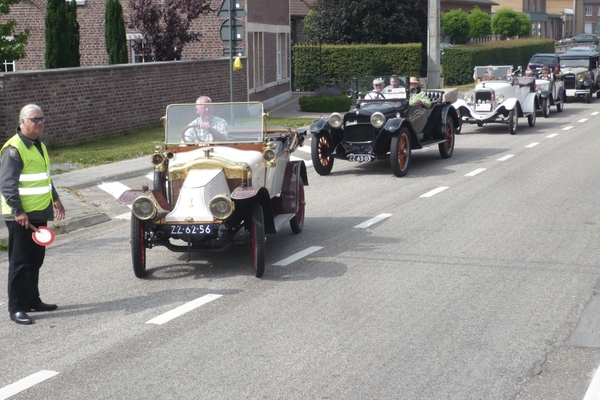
(445, 45)
(552, 60)
(586, 38)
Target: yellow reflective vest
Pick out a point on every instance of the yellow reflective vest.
(35, 186)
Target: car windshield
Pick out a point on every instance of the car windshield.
(499, 72)
(576, 62)
(542, 60)
(214, 123)
(368, 87)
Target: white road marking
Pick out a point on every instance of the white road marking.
(150, 176)
(126, 216)
(506, 157)
(179, 311)
(582, 120)
(372, 221)
(297, 256)
(305, 149)
(566, 128)
(550, 136)
(25, 383)
(434, 191)
(308, 163)
(115, 189)
(593, 392)
(594, 113)
(475, 172)
(530, 145)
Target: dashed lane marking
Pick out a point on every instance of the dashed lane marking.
(434, 191)
(475, 172)
(187, 307)
(595, 113)
(373, 221)
(506, 157)
(297, 256)
(550, 136)
(530, 145)
(582, 120)
(566, 128)
(25, 383)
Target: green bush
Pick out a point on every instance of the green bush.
(325, 103)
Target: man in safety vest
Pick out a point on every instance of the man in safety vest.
(28, 199)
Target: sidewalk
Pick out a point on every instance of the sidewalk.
(81, 214)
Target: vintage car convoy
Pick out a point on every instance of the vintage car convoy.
(384, 126)
(579, 67)
(207, 194)
(500, 96)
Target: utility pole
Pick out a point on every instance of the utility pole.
(433, 45)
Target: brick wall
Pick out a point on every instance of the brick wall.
(91, 103)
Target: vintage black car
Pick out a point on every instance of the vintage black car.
(579, 67)
(383, 125)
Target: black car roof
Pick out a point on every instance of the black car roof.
(579, 52)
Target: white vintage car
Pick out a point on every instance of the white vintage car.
(500, 96)
(220, 173)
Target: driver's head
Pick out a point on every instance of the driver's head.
(203, 107)
(378, 84)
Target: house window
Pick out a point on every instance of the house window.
(588, 11)
(8, 66)
(258, 58)
(598, 11)
(136, 38)
(282, 52)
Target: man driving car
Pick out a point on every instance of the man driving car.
(207, 127)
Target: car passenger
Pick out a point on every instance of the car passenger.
(419, 104)
(394, 82)
(207, 127)
(545, 74)
(377, 88)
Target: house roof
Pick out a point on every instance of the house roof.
(300, 7)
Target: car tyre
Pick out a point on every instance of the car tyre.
(588, 97)
(561, 103)
(447, 147)
(513, 120)
(138, 246)
(479, 124)
(257, 240)
(400, 152)
(545, 108)
(297, 223)
(531, 119)
(321, 149)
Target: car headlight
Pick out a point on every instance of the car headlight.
(468, 98)
(377, 120)
(144, 208)
(221, 207)
(335, 120)
(499, 98)
(580, 78)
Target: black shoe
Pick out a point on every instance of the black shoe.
(20, 317)
(44, 307)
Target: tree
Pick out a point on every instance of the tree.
(525, 25)
(480, 23)
(374, 21)
(165, 26)
(12, 44)
(455, 24)
(114, 33)
(508, 23)
(62, 34)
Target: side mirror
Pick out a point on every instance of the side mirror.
(349, 93)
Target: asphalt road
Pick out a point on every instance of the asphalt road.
(474, 277)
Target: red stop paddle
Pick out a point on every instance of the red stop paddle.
(42, 235)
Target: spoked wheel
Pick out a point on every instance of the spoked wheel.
(560, 104)
(257, 240)
(321, 149)
(447, 147)
(400, 153)
(545, 108)
(513, 119)
(297, 223)
(138, 246)
(531, 119)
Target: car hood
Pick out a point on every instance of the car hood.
(370, 109)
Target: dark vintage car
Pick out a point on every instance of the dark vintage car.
(579, 67)
(384, 126)
(209, 191)
(538, 60)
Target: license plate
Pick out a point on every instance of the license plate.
(360, 158)
(570, 92)
(191, 229)
(483, 107)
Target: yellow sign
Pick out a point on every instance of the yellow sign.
(237, 64)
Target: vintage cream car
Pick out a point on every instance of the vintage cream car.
(220, 178)
(499, 97)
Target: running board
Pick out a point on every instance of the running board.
(281, 219)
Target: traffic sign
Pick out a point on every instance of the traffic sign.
(236, 11)
(237, 32)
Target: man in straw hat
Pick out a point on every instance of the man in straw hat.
(419, 104)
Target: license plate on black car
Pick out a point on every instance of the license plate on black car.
(191, 229)
(360, 158)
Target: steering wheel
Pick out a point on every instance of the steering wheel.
(219, 137)
(377, 95)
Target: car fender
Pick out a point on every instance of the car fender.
(288, 201)
(588, 83)
(162, 205)
(545, 94)
(529, 105)
(245, 197)
(394, 125)
(319, 125)
(509, 103)
(450, 112)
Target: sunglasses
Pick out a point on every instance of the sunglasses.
(37, 120)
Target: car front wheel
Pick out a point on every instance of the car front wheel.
(297, 223)
(321, 149)
(588, 97)
(447, 147)
(561, 103)
(513, 120)
(531, 119)
(400, 152)
(138, 246)
(257, 240)
(546, 108)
